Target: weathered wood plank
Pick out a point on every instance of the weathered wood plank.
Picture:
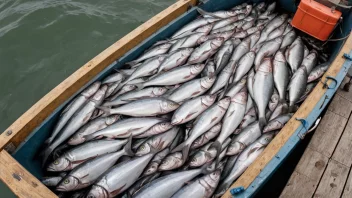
(340, 106)
(19, 180)
(44, 107)
(253, 170)
(328, 133)
(306, 176)
(343, 151)
(347, 191)
(333, 180)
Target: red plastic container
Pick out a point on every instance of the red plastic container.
(315, 19)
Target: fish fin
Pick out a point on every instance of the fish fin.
(203, 12)
(285, 108)
(205, 168)
(46, 154)
(152, 149)
(105, 109)
(140, 86)
(262, 122)
(217, 146)
(128, 147)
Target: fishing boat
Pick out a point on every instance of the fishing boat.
(20, 168)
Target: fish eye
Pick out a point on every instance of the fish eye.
(66, 181)
(142, 147)
(56, 162)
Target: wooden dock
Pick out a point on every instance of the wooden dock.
(325, 167)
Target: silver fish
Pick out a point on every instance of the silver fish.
(288, 39)
(295, 54)
(155, 130)
(250, 82)
(115, 77)
(192, 109)
(225, 35)
(223, 79)
(263, 88)
(309, 89)
(236, 87)
(245, 159)
(92, 127)
(125, 128)
(137, 80)
(202, 29)
(279, 31)
(279, 110)
(230, 27)
(318, 72)
(228, 166)
(200, 188)
(79, 154)
(248, 24)
(180, 137)
(260, 7)
(269, 10)
(111, 89)
(205, 50)
(78, 119)
(150, 92)
(277, 123)
(70, 109)
(250, 103)
(241, 34)
(155, 51)
(249, 118)
(297, 85)
(137, 143)
(223, 55)
(171, 162)
(207, 136)
(175, 76)
(272, 25)
(247, 136)
(254, 38)
(192, 89)
(232, 118)
(189, 41)
(124, 89)
(166, 186)
(244, 65)
(128, 72)
(88, 172)
(140, 183)
(155, 162)
(228, 21)
(310, 61)
(194, 25)
(274, 101)
(158, 142)
(209, 69)
(288, 28)
(144, 107)
(120, 177)
(281, 75)
(269, 48)
(175, 59)
(205, 121)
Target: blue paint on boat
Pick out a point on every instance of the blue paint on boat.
(28, 152)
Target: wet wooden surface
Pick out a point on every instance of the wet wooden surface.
(325, 167)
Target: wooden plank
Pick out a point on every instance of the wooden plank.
(19, 180)
(44, 107)
(340, 106)
(306, 176)
(347, 191)
(333, 180)
(343, 150)
(328, 133)
(273, 148)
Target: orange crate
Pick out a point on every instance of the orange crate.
(315, 19)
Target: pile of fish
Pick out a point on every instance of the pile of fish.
(189, 115)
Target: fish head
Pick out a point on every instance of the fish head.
(283, 17)
(198, 159)
(266, 66)
(302, 70)
(98, 192)
(241, 97)
(158, 91)
(172, 161)
(76, 139)
(168, 105)
(279, 56)
(205, 29)
(271, 16)
(231, 13)
(235, 148)
(226, 35)
(202, 39)
(217, 42)
(164, 126)
(161, 58)
(187, 51)
(112, 119)
(129, 87)
(196, 69)
(225, 102)
(207, 82)
(214, 177)
(144, 149)
(266, 138)
(260, 6)
(88, 92)
(152, 168)
(100, 94)
(69, 183)
(165, 46)
(248, 9)
(208, 100)
(279, 39)
(273, 125)
(216, 128)
(60, 164)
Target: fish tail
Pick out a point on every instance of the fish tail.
(203, 12)
(290, 108)
(217, 146)
(46, 154)
(284, 108)
(128, 147)
(262, 122)
(184, 147)
(105, 109)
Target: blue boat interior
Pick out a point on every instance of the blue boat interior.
(27, 153)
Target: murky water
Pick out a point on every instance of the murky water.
(44, 41)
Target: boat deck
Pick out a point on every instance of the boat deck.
(325, 167)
